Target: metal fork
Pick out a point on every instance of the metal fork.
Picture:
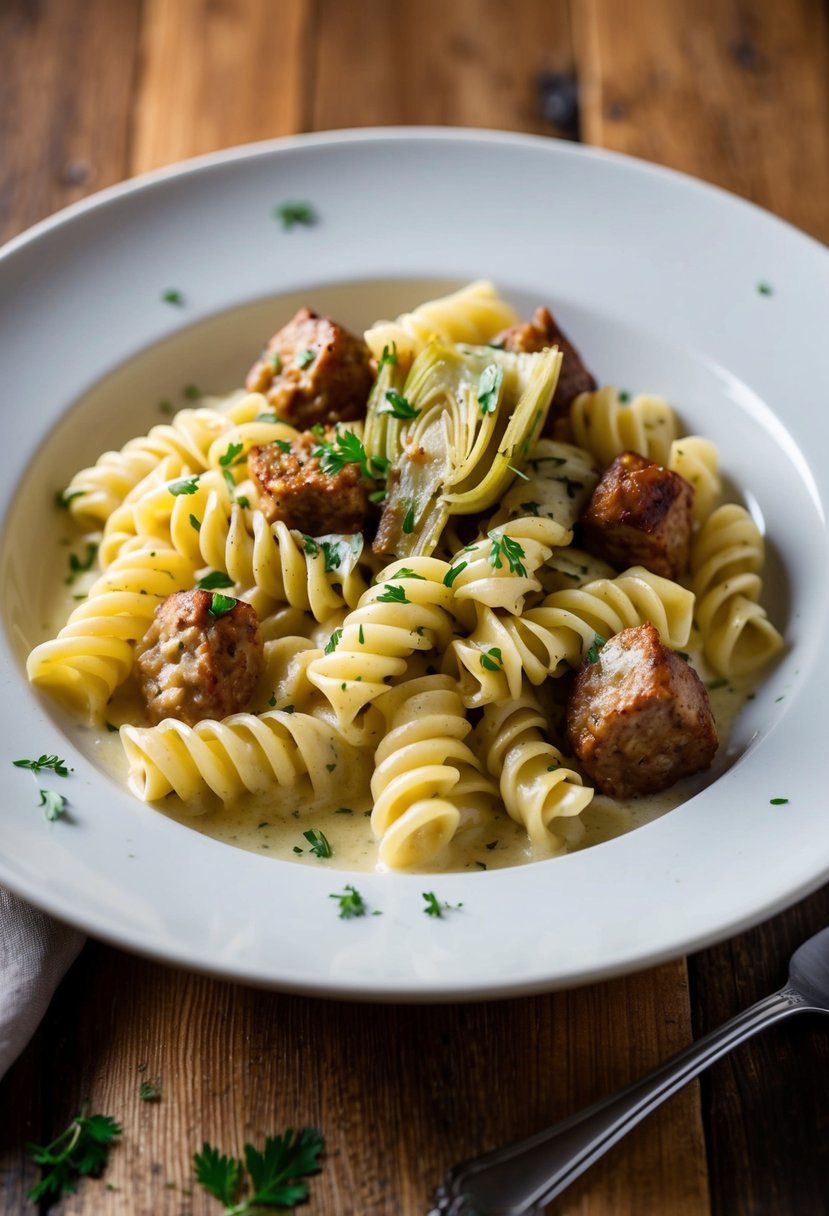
(520, 1179)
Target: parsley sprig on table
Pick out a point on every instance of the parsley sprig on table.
(274, 1175)
(79, 1151)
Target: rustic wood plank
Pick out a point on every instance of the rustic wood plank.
(470, 63)
(736, 93)
(216, 73)
(400, 1093)
(65, 87)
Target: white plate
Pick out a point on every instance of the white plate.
(656, 278)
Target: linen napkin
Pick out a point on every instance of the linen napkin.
(35, 953)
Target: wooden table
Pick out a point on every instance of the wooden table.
(736, 92)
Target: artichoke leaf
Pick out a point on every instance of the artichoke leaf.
(461, 450)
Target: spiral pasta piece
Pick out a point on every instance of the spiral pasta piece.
(606, 427)
(244, 753)
(544, 641)
(726, 559)
(93, 653)
(557, 481)
(535, 783)
(407, 612)
(500, 570)
(472, 315)
(696, 459)
(425, 775)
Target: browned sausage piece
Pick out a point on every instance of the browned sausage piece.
(639, 718)
(640, 515)
(198, 661)
(294, 489)
(314, 371)
(538, 334)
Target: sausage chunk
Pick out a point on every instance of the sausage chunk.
(314, 371)
(538, 334)
(197, 660)
(639, 718)
(293, 488)
(640, 514)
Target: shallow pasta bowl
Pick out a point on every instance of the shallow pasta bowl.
(666, 285)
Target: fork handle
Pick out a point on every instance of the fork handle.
(521, 1178)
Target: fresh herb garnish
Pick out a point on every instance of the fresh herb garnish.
(718, 682)
(192, 392)
(230, 456)
(150, 1091)
(345, 449)
(351, 903)
(54, 804)
(220, 605)
(332, 553)
(530, 508)
(305, 358)
(388, 356)
(393, 595)
(214, 580)
(778, 801)
(64, 497)
(318, 842)
(284, 445)
(183, 485)
(593, 652)
(54, 763)
(293, 213)
(310, 545)
(434, 907)
(624, 396)
(398, 406)
(406, 572)
(79, 1151)
(195, 523)
(451, 574)
(511, 550)
(408, 518)
(273, 1175)
(79, 565)
(491, 659)
(765, 289)
(361, 637)
(172, 296)
(489, 386)
(333, 641)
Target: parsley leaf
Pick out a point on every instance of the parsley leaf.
(333, 641)
(310, 545)
(393, 595)
(79, 565)
(510, 549)
(332, 553)
(57, 765)
(214, 580)
(434, 907)
(54, 804)
(229, 458)
(406, 572)
(150, 1091)
(183, 485)
(220, 605)
(172, 296)
(408, 518)
(345, 449)
(451, 574)
(593, 652)
(489, 387)
(351, 902)
(398, 406)
(81, 1150)
(292, 213)
(388, 356)
(491, 659)
(305, 358)
(64, 497)
(319, 843)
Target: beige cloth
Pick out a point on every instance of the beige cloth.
(35, 954)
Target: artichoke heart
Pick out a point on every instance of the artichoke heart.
(472, 414)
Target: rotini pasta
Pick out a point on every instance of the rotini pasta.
(726, 560)
(605, 427)
(473, 315)
(425, 776)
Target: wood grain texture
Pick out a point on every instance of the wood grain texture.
(66, 80)
(477, 63)
(399, 1092)
(216, 73)
(734, 92)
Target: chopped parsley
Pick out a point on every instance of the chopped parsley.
(593, 652)
(305, 358)
(491, 659)
(284, 445)
(345, 449)
(319, 843)
(183, 485)
(361, 637)
(220, 605)
(624, 396)
(398, 406)
(192, 392)
(351, 903)
(271, 1177)
(195, 523)
(765, 289)
(150, 1091)
(489, 386)
(333, 641)
(214, 580)
(510, 549)
(54, 763)
(230, 456)
(388, 356)
(530, 508)
(406, 572)
(332, 553)
(292, 213)
(408, 518)
(451, 574)
(79, 1151)
(54, 804)
(393, 595)
(434, 907)
(778, 801)
(79, 565)
(64, 497)
(310, 545)
(172, 296)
